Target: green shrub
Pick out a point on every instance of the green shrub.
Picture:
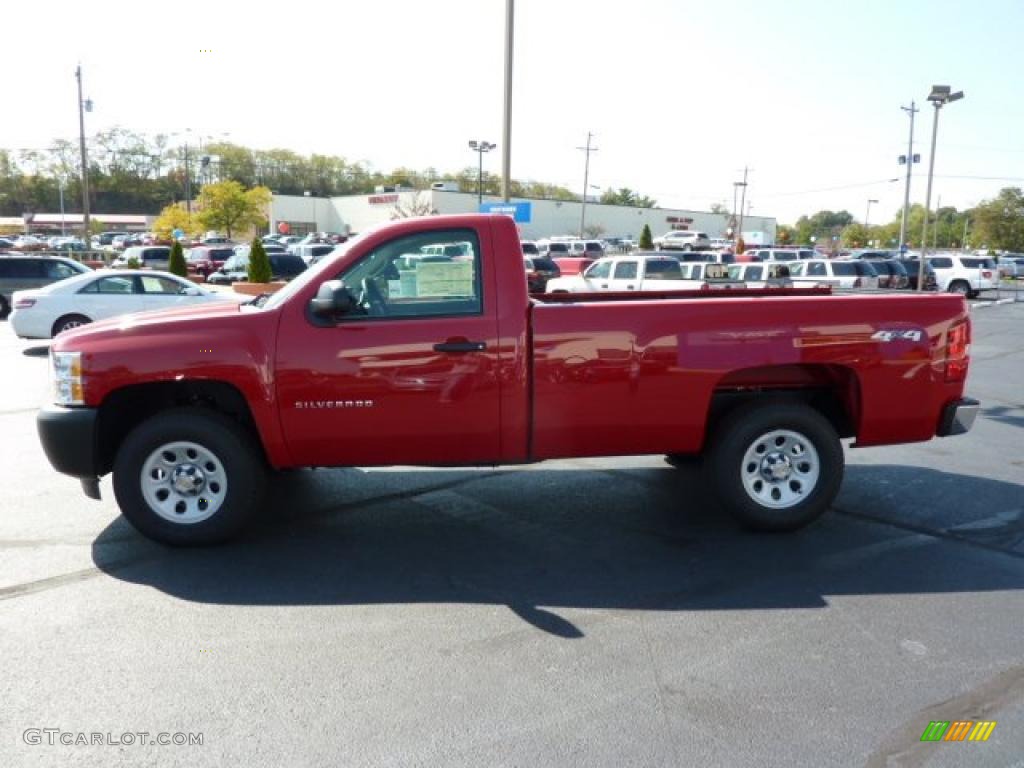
(177, 264)
(646, 241)
(132, 263)
(259, 264)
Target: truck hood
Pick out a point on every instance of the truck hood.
(156, 321)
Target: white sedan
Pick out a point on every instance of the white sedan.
(75, 301)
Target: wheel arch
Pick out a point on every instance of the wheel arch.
(832, 390)
(125, 408)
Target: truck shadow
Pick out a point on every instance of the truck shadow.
(542, 539)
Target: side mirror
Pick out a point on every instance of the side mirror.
(332, 299)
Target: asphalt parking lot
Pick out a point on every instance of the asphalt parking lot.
(587, 612)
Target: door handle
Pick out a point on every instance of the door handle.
(604, 285)
(629, 287)
(460, 346)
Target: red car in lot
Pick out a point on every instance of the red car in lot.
(206, 259)
(377, 356)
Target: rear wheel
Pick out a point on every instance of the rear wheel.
(777, 465)
(189, 476)
(68, 322)
(960, 286)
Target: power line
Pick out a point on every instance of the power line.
(830, 189)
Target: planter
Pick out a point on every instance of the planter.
(255, 289)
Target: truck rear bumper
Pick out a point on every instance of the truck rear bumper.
(958, 417)
(68, 436)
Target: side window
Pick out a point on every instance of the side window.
(626, 270)
(817, 269)
(162, 285)
(110, 285)
(941, 262)
(754, 273)
(27, 268)
(599, 271)
(58, 270)
(406, 278)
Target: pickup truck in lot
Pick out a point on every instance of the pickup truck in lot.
(377, 356)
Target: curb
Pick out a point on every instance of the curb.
(993, 303)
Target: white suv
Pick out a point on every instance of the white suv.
(683, 240)
(967, 275)
(839, 273)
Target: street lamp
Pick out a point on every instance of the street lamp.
(939, 97)
(480, 147)
(867, 213)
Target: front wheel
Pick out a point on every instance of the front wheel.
(776, 466)
(189, 476)
(68, 322)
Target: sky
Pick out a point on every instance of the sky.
(680, 96)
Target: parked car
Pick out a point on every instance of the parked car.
(873, 254)
(478, 373)
(529, 248)
(85, 298)
(539, 271)
(283, 266)
(148, 256)
(311, 253)
(891, 273)
(29, 243)
(20, 272)
(586, 249)
(205, 260)
(553, 249)
(1011, 266)
(967, 275)
(838, 273)
(643, 272)
(570, 265)
(762, 275)
(778, 254)
(683, 240)
(719, 257)
(913, 267)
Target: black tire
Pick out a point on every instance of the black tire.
(961, 287)
(746, 429)
(5, 308)
(243, 469)
(68, 322)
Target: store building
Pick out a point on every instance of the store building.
(537, 218)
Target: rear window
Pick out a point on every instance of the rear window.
(784, 256)
(286, 264)
(844, 269)
(664, 269)
(558, 248)
(221, 253)
(530, 248)
(978, 263)
(544, 264)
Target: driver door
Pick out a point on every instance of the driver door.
(410, 374)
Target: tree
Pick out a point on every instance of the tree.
(626, 196)
(418, 205)
(177, 263)
(227, 205)
(259, 264)
(172, 217)
(646, 241)
(854, 236)
(783, 235)
(999, 223)
(593, 230)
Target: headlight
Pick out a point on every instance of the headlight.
(66, 378)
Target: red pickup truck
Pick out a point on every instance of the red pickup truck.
(388, 353)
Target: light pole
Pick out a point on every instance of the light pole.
(60, 188)
(480, 147)
(743, 203)
(867, 213)
(84, 105)
(506, 133)
(939, 97)
(909, 159)
(586, 180)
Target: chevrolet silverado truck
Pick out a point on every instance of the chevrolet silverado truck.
(384, 354)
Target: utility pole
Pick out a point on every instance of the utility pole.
(85, 158)
(867, 213)
(935, 233)
(188, 185)
(586, 180)
(911, 110)
(963, 244)
(743, 201)
(506, 133)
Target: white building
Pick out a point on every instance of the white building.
(546, 218)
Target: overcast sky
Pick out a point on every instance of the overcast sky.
(680, 95)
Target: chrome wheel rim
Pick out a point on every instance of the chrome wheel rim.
(780, 469)
(67, 325)
(183, 482)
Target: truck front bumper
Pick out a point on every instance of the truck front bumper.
(958, 417)
(68, 436)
